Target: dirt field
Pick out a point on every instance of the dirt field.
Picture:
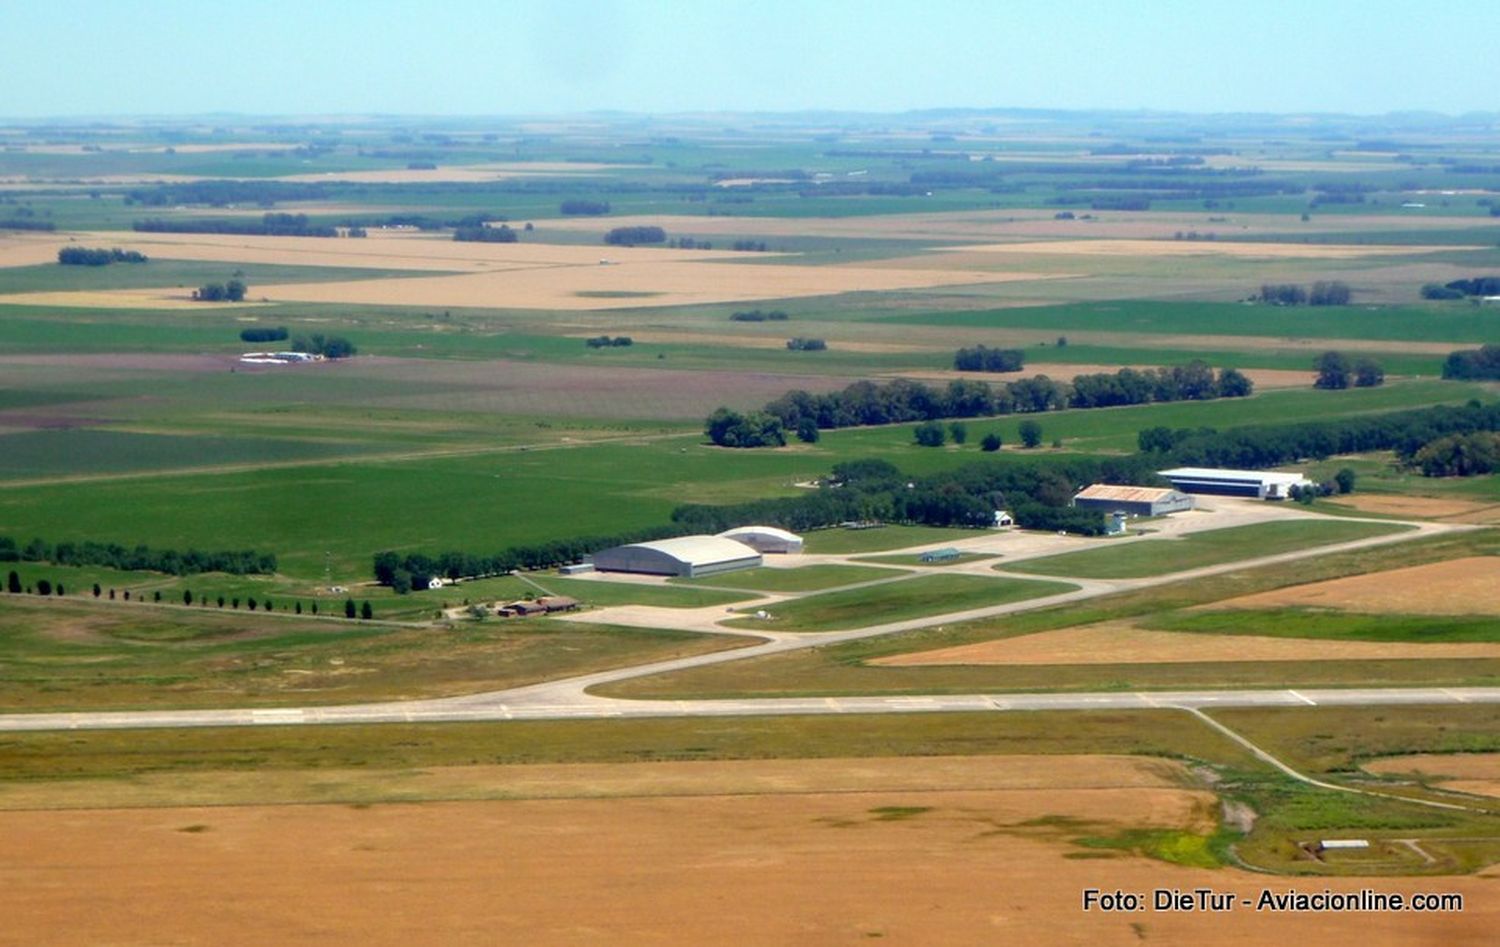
(911, 866)
(461, 173)
(1427, 508)
(1458, 587)
(549, 390)
(631, 280)
(1123, 643)
(1475, 773)
(1159, 248)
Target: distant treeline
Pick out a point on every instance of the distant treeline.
(758, 315)
(1481, 364)
(1270, 445)
(484, 234)
(223, 193)
(866, 403)
(1037, 493)
(83, 256)
(141, 558)
(604, 341)
(270, 225)
(800, 344)
(232, 292)
(25, 223)
(413, 570)
(1459, 288)
(263, 335)
(630, 236)
(1326, 293)
(981, 358)
(583, 208)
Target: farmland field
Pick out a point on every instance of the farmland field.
(532, 370)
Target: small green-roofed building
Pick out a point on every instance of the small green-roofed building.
(946, 554)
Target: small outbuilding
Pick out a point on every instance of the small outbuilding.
(1220, 481)
(685, 556)
(1135, 501)
(946, 554)
(765, 538)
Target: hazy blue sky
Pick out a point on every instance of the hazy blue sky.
(104, 57)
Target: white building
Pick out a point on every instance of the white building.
(765, 538)
(1261, 484)
(687, 556)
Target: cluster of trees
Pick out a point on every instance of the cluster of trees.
(326, 346)
(604, 341)
(631, 236)
(485, 234)
(405, 572)
(1036, 492)
(933, 434)
(1459, 455)
(277, 334)
(758, 315)
(1459, 288)
(222, 193)
(1336, 371)
(1194, 381)
(1271, 445)
(84, 256)
(139, 559)
(800, 344)
(728, 428)
(233, 291)
(1482, 363)
(981, 358)
(25, 223)
(1323, 293)
(577, 207)
(867, 403)
(43, 586)
(271, 225)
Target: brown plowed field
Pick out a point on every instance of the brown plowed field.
(1458, 587)
(922, 867)
(1475, 773)
(1122, 643)
(1158, 248)
(1427, 508)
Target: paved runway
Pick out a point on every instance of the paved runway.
(605, 708)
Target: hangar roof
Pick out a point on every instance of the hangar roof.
(699, 550)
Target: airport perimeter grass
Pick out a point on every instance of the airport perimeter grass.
(1149, 557)
(65, 656)
(835, 542)
(898, 600)
(797, 579)
(1332, 626)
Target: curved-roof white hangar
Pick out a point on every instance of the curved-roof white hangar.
(765, 538)
(686, 556)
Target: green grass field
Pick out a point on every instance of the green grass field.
(1194, 550)
(83, 655)
(898, 601)
(1329, 625)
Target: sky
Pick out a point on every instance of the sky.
(537, 57)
